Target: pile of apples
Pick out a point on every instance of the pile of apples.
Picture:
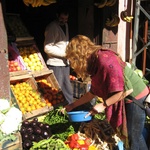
(31, 58)
(13, 66)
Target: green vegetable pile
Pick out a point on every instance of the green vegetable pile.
(60, 124)
(53, 143)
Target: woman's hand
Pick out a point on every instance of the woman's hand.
(67, 108)
(98, 108)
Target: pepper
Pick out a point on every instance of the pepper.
(88, 141)
(83, 147)
(74, 137)
(74, 144)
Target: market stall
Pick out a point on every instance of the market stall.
(36, 100)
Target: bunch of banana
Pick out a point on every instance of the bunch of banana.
(125, 17)
(101, 4)
(111, 2)
(38, 3)
(113, 22)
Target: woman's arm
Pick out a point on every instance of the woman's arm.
(111, 100)
(84, 99)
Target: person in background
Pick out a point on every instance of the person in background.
(111, 77)
(56, 40)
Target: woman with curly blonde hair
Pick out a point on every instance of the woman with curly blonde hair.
(112, 80)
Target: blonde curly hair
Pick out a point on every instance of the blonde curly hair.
(78, 51)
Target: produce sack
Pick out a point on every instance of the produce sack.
(14, 55)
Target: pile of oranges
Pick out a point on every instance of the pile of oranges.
(28, 98)
(51, 95)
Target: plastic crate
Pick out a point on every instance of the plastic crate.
(80, 88)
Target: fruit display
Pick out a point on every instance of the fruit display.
(38, 3)
(51, 95)
(31, 58)
(15, 62)
(34, 131)
(28, 98)
(113, 21)
(13, 66)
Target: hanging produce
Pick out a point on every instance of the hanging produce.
(103, 3)
(38, 3)
(125, 17)
(113, 21)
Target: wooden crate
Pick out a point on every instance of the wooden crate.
(50, 78)
(12, 145)
(28, 45)
(30, 80)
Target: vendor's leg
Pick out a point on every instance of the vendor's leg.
(135, 123)
(62, 75)
(67, 87)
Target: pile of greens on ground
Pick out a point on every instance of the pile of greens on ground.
(60, 124)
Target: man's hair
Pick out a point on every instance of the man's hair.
(62, 10)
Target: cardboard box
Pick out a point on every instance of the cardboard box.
(12, 145)
(31, 81)
(80, 88)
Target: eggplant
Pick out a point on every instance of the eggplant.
(41, 125)
(25, 123)
(32, 137)
(47, 126)
(46, 134)
(29, 130)
(22, 130)
(27, 144)
(25, 136)
(37, 130)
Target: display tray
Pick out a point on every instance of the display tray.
(12, 145)
(27, 96)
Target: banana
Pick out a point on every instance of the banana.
(113, 22)
(110, 21)
(34, 3)
(101, 4)
(113, 3)
(125, 17)
(116, 22)
(26, 2)
(109, 2)
(39, 3)
(48, 2)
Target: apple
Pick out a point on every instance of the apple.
(18, 68)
